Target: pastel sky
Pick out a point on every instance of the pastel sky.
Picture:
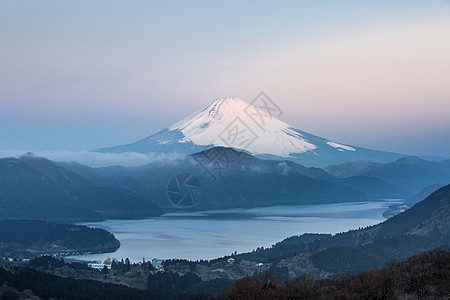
(80, 75)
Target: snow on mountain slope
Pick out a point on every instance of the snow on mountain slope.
(231, 122)
(342, 147)
(209, 127)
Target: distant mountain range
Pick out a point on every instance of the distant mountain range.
(37, 188)
(232, 178)
(410, 173)
(228, 178)
(231, 122)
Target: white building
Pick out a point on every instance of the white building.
(99, 266)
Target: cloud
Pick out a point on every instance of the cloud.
(95, 159)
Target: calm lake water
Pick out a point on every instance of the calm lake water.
(212, 234)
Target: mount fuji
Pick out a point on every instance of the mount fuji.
(232, 122)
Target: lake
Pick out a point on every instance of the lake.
(212, 234)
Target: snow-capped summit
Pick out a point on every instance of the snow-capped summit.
(232, 122)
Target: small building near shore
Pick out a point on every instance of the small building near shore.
(99, 266)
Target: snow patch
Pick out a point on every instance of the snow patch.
(340, 147)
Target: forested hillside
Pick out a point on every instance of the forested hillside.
(31, 238)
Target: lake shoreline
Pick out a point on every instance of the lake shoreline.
(215, 233)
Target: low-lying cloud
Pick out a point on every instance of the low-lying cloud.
(96, 159)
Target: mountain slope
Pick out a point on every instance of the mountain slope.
(395, 209)
(410, 173)
(232, 178)
(423, 227)
(37, 188)
(231, 122)
(26, 193)
(425, 192)
(32, 238)
(433, 213)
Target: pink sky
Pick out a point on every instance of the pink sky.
(82, 76)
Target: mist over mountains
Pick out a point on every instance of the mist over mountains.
(409, 173)
(232, 122)
(34, 187)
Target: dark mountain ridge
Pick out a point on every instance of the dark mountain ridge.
(34, 187)
(229, 179)
(37, 188)
(232, 178)
(410, 174)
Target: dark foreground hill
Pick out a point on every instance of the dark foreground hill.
(31, 238)
(423, 276)
(27, 283)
